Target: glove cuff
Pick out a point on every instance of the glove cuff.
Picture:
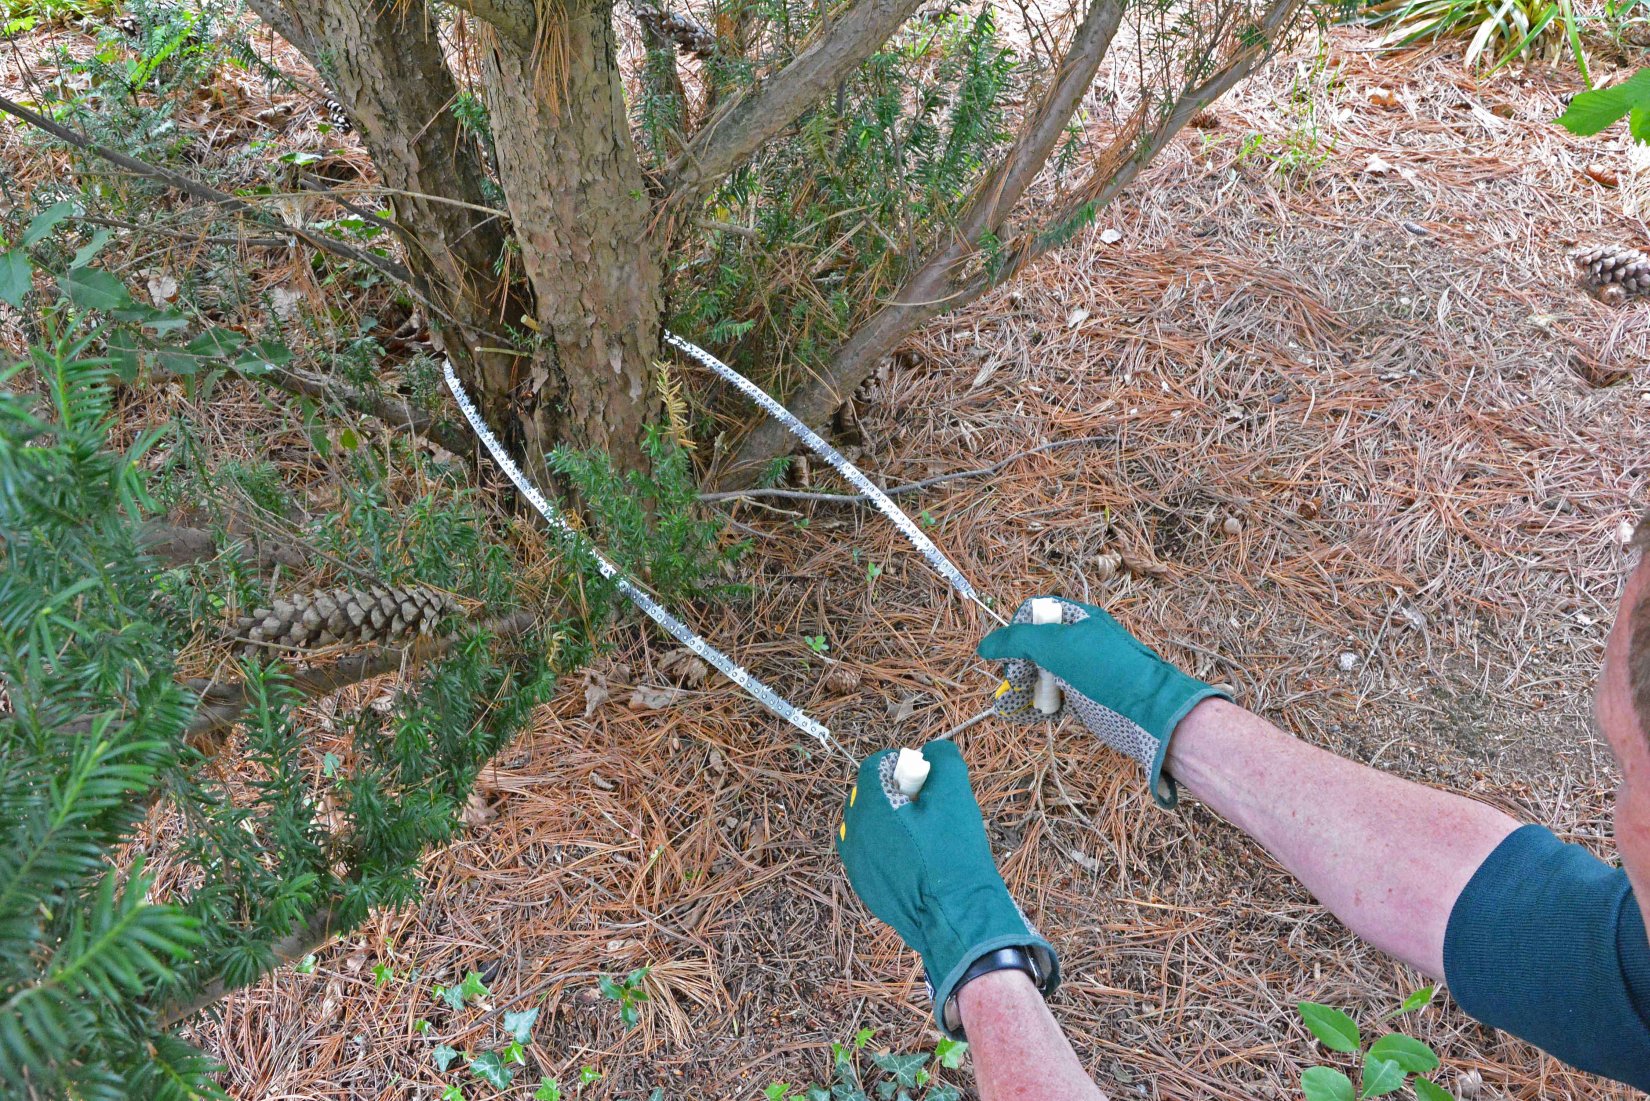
(1164, 791)
(946, 1018)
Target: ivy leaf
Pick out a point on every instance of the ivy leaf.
(1412, 1055)
(549, 1090)
(520, 1025)
(1381, 1076)
(44, 222)
(1590, 112)
(950, 1053)
(1334, 1029)
(1418, 999)
(452, 995)
(943, 1093)
(1326, 1084)
(95, 289)
(263, 355)
(1427, 1090)
(472, 987)
(452, 1093)
(16, 277)
(443, 1056)
(491, 1069)
(904, 1068)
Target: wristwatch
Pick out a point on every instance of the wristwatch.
(1014, 958)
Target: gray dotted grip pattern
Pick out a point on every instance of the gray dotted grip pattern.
(1015, 703)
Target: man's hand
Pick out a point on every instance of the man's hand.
(1128, 696)
(924, 866)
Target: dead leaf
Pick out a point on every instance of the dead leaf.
(355, 961)
(685, 666)
(1076, 317)
(601, 781)
(476, 810)
(1085, 861)
(1376, 165)
(653, 697)
(1110, 235)
(162, 288)
(1383, 97)
(1602, 174)
(904, 709)
(596, 692)
(283, 302)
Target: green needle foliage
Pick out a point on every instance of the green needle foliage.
(100, 956)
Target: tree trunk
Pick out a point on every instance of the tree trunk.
(385, 64)
(581, 212)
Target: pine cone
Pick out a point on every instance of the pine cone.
(343, 617)
(1613, 272)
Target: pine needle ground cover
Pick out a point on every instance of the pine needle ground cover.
(1425, 439)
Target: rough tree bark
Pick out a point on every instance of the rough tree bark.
(581, 211)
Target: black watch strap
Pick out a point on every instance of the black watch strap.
(1014, 958)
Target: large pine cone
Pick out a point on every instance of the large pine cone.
(343, 617)
(1613, 272)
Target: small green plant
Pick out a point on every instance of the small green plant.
(1592, 111)
(1497, 31)
(816, 643)
(628, 993)
(861, 1075)
(1384, 1065)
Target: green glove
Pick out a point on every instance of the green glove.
(924, 866)
(1128, 696)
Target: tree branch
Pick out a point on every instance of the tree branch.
(908, 487)
(204, 192)
(516, 20)
(747, 121)
(934, 288)
(222, 704)
(308, 937)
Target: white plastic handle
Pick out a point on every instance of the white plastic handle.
(1046, 698)
(910, 772)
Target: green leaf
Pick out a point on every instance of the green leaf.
(904, 1068)
(1326, 1084)
(83, 255)
(45, 222)
(443, 1056)
(1429, 1091)
(95, 289)
(382, 973)
(950, 1053)
(1414, 1056)
(1334, 1029)
(215, 342)
(1418, 999)
(1381, 1076)
(520, 1025)
(16, 277)
(329, 765)
(452, 995)
(1590, 112)
(472, 987)
(123, 355)
(306, 966)
(863, 1037)
(587, 1075)
(452, 1093)
(777, 1091)
(514, 1053)
(348, 439)
(549, 1090)
(1638, 124)
(491, 1069)
(263, 355)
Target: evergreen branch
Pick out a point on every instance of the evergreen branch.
(311, 935)
(222, 704)
(756, 116)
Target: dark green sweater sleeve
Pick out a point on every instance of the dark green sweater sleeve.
(1547, 942)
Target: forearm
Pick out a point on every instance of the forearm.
(1017, 1048)
(1387, 856)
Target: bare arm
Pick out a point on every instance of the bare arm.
(1386, 855)
(1018, 1049)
